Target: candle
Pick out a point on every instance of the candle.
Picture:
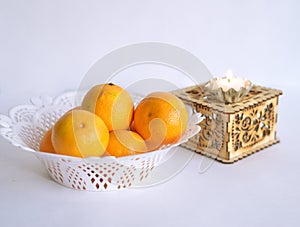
(228, 89)
(229, 81)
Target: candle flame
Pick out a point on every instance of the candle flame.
(229, 74)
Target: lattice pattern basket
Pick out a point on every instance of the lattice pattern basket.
(233, 131)
(26, 125)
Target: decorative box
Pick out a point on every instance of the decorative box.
(231, 132)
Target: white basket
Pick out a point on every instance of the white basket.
(26, 125)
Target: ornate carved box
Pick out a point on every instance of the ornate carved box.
(231, 132)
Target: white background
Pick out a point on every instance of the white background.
(46, 47)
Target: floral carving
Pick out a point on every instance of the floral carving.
(252, 126)
(212, 131)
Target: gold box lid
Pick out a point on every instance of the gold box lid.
(256, 96)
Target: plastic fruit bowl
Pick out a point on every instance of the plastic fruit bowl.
(25, 126)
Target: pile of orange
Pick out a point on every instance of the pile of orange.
(106, 123)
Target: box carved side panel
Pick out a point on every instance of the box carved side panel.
(252, 126)
(213, 129)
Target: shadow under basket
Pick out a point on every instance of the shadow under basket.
(230, 132)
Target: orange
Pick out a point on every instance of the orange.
(46, 143)
(80, 133)
(112, 104)
(131, 127)
(160, 118)
(124, 142)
